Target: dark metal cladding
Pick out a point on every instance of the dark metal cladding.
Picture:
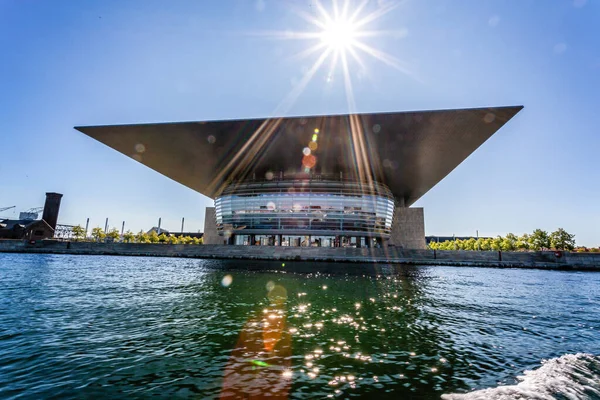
(409, 152)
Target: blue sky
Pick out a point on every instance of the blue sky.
(67, 63)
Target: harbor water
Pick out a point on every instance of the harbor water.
(135, 327)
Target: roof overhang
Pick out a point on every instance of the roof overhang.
(410, 152)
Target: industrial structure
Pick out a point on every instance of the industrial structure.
(33, 229)
(334, 180)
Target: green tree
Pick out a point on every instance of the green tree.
(447, 245)
(142, 237)
(98, 234)
(523, 242)
(153, 237)
(509, 242)
(78, 232)
(496, 243)
(172, 239)
(184, 239)
(539, 240)
(486, 244)
(478, 244)
(562, 240)
(128, 237)
(470, 244)
(113, 234)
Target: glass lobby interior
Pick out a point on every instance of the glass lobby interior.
(305, 241)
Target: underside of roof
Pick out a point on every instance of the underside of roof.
(410, 152)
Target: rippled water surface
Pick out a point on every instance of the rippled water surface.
(100, 327)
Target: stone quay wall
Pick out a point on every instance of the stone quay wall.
(390, 255)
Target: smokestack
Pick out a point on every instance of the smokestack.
(51, 208)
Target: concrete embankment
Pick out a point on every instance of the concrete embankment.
(539, 259)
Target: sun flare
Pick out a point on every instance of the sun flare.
(339, 35)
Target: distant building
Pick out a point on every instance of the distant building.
(36, 229)
(25, 229)
(28, 216)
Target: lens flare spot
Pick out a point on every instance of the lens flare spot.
(313, 146)
(226, 281)
(269, 175)
(270, 286)
(271, 206)
(309, 161)
(277, 295)
(315, 137)
(316, 130)
(211, 139)
(140, 148)
(306, 151)
(376, 128)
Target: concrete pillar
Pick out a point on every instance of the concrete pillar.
(211, 236)
(408, 228)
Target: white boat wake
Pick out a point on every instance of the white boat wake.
(571, 376)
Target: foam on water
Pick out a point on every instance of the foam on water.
(571, 376)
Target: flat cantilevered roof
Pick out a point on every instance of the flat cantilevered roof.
(410, 152)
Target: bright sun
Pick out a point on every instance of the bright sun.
(338, 39)
(339, 35)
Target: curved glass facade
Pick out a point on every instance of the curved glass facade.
(305, 207)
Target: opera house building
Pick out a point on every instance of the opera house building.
(330, 180)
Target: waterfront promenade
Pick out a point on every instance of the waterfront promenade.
(391, 255)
